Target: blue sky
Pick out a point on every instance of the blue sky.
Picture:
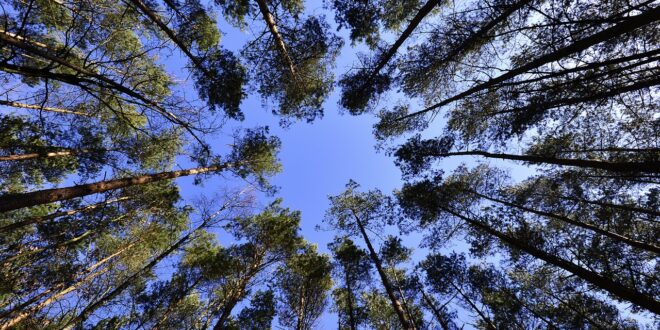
(319, 158)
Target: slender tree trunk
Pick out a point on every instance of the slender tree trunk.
(614, 206)
(275, 33)
(26, 313)
(404, 302)
(83, 75)
(626, 26)
(42, 108)
(170, 34)
(614, 288)
(49, 247)
(405, 323)
(10, 202)
(576, 309)
(351, 317)
(437, 313)
(483, 32)
(530, 309)
(634, 243)
(236, 296)
(301, 310)
(33, 220)
(33, 155)
(568, 101)
(131, 279)
(174, 303)
(474, 307)
(649, 167)
(387, 56)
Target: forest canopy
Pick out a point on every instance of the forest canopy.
(137, 192)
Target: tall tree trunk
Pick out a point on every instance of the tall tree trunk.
(10, 202)
(474, 307)
(436, 312)
(401, 314)
(614, 288)
(351, 317)
(237, 295)
(301, 311)
(82, 75)
(64, 291)
(146, 268)
(42, 108)
(483, 31)
(626, 26)
(49, 247)
(174, 303)
(275, 33)
(50, 154)
(41, 219)
(170, 34)
(414, 22)
(530, 309)
(623, 239)
(614, 206)
(648, 167)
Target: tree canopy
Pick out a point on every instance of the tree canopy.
(526, 132)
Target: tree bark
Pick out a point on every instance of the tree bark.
(11, 202)
(154, 18)
(275, 33)
(630, 24)
(401, 314)
(351, 317)
(42, 108)
(438, 315)
(614, 288)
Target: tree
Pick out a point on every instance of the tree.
(352, 266)
(353, 212)
(521, 236)
(303, 282)
(291, 59)
(261, 312)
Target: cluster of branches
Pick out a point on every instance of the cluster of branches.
(571, 245)
(573, 84)
(92, 126)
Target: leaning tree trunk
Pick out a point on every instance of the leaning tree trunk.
(43, 108)
(623, 239)
(144, 8)
(647, 167)
(387, 56)
(55, 297)
(131, 279)
(11, 202)
(275, 33)
(629, 25)
(401, 314)
(614, 288)
(41, 219)
(436, 312)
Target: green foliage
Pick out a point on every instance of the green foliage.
(303, 283)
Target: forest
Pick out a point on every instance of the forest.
(335, 164)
